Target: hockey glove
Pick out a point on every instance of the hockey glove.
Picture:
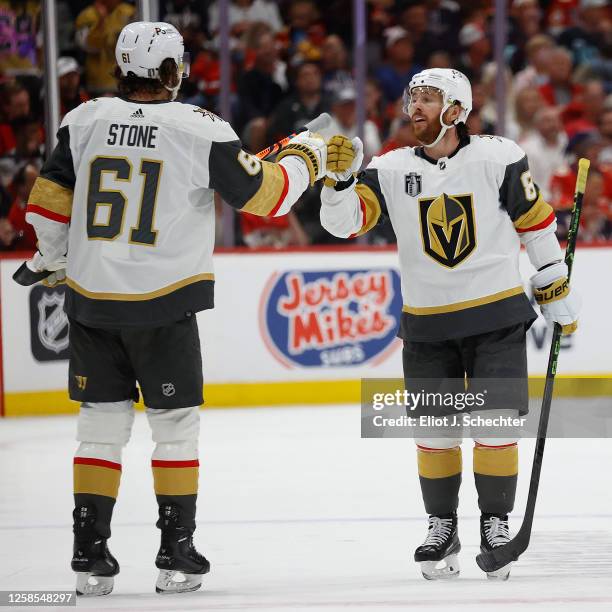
(344, 158)
(557, 302)
(311, 148)
(57, 269)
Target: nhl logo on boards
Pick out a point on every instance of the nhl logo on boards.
(448, 232)
(48, 324)
(414, 184)
(168, 389)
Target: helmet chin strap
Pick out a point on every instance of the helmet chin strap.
(443, 127)
(174, 90)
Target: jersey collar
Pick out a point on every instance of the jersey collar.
(420, 151)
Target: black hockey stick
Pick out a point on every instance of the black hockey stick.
(497, 558)
(26, 277)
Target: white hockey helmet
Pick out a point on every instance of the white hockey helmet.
(454, 87)
(142, 46)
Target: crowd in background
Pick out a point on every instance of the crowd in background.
(291, 60)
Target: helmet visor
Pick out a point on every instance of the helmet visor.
(424, 94)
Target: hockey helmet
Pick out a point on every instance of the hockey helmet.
(454, 87)
(142, 46)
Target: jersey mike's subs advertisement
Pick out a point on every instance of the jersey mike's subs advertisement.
(305, 326)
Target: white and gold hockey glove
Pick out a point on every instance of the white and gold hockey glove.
(344, 159)
(57, 269)
(312, 149)
(558, 303)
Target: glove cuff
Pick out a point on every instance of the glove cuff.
(305, 153)
(339, 185)
(549, 274)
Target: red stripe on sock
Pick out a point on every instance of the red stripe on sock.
(174, 464)
(500, 446)
(435, 450)
(99, 462)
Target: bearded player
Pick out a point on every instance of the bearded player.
(461, 207)
(124, 211)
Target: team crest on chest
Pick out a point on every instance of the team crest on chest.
(448, 231)
(414, 184)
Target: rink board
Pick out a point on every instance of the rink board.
(289, 327)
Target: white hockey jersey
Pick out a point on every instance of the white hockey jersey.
(128, 193)
(459, 222)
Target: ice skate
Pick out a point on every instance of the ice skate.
(494, 532)
(93, 563)
(181, 565)
(438, 553)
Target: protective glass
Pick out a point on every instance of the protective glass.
(185, 65)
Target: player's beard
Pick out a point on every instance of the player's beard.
(428, 131)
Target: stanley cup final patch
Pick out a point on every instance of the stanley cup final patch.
(447, 228)
(414, 184)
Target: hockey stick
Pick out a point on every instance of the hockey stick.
(497, 558)
(26, 277)
(318, 123)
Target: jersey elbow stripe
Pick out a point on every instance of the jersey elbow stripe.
(271, 193)
(537, 217)
(51, 197)
(48, 214)
(370, 207)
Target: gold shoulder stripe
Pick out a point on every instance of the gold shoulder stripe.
(487, 299)
(51, 196)
(138, 297)
(539, 212)
(269, 192)
(372, 207)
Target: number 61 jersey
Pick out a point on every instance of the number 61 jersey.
(459, 222)
(128, 194)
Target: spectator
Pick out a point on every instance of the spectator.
(402, 136)
(302, 106)
(535, 73)
(605, 129)
(23, 235)
(400, 67)
(545, 148)
(20, 22)
(276, 232)
(591, 34)
(14, 104)
(560, 90)
(443, 25)
(476, 51)
(70, 90)
(334, 63)
(97, 28)
(344, 121)
(440, 59)
(583, 114)
(413, 19)
(526, 104)
(28, 148)
(374, 105)
(305, 35)
(242, 13)
(596, 218)
(526, 20)
(190, 18)
(259, 94)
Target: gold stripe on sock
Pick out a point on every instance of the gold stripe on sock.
(439, 463)
(490, 461)
(175, 481)
(96, 480)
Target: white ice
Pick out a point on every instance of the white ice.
(296, 512)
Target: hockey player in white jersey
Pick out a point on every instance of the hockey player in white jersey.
(461, 206)
(124, 211)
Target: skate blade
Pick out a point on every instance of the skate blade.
(503, 573)
(445, 569)
(172, 581)
(89, 585)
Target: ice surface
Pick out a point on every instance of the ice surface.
(296, 512)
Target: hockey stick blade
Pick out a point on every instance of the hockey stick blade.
(318, 123)
(26, 277)
(495, 559)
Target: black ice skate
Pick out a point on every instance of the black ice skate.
(438, 553)
(93, 563)
(180, 565)
(494, 532)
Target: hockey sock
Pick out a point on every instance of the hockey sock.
(175, 476)
(440, 477)
(97, 472)
(495, 473)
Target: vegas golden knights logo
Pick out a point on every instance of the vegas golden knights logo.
(447, 228)
(81, 382)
